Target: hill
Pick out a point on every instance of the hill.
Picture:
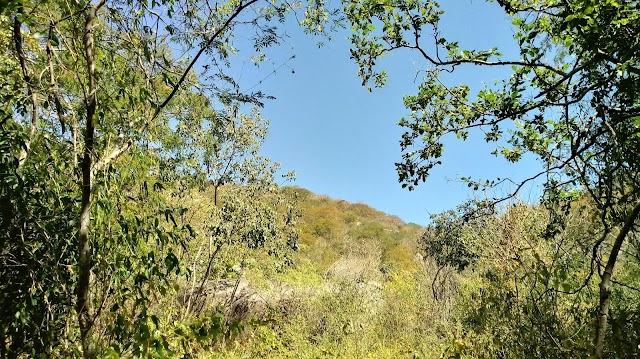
(334, 229)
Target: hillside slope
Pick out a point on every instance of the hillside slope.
(334, 229)
(356, 288)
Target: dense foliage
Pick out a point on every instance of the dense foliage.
(138, 218)
(108, 124)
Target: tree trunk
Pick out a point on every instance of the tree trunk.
(83, 300)
(605, 282)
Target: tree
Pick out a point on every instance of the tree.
(572, 100)
(92, 89)
(241, 207)
(446, 241)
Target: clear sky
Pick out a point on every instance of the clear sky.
(343, 141)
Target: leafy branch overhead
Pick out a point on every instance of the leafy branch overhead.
(564, 66)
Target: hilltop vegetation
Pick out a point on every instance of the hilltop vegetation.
(334, 229)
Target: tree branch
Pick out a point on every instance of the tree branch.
(17, 40)
(52, 80)
(125, 147)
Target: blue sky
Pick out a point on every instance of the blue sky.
(343, 140)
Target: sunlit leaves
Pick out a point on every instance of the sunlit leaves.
(160, 132)
(546, 98)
